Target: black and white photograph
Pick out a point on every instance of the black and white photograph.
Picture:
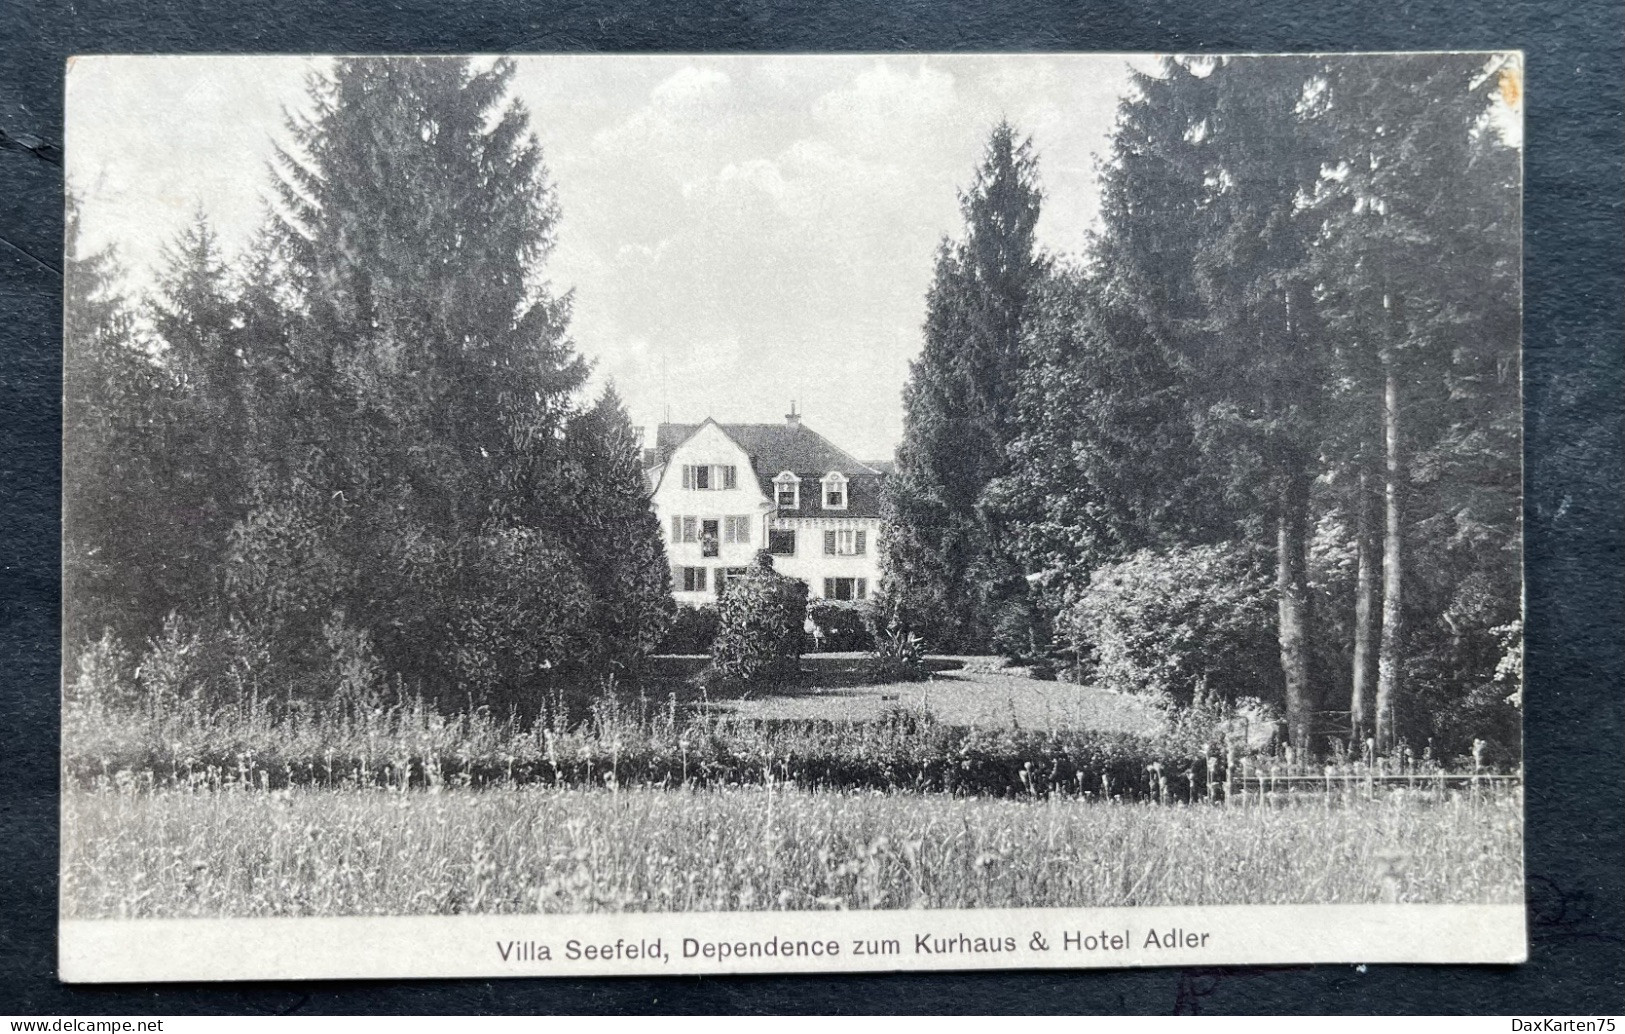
(665, 514)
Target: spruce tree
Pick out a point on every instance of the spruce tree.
(202, 470)
(948, 566)
(431, 380)
(1260, 349)
(111, 400)
(1419, 274)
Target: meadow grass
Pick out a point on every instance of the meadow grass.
(130, 852)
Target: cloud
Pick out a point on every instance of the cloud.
(646, 255)
(683, 118)
(689, 86)
(761, 175)
(881, 100)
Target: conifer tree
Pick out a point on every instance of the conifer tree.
(1260, 348)
(1107, 461)
(430, 383)
(201, 470)
(1419, 273)
(617, 534)
(110, 396)
(953, 575)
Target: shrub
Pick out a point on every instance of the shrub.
(842, 626)
(760, 617)
(106, 677)
(171, 669)
(353, 673)
(1188, 625)
(693, 630)
(899, 657)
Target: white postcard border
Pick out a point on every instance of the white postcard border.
(671, 944)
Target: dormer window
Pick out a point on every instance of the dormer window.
(787, 491)
(834, 490)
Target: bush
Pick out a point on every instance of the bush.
(106, 676)
(842, 626)
(899, 657)
(693, 630)
(172, 669)
(760, 617)
(1189, 625)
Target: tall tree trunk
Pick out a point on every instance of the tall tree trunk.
(1391, 657)
(1292, 593)
(1366, 611)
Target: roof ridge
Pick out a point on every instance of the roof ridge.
(856, 464)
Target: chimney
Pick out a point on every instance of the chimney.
(793, 418)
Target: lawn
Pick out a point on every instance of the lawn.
(967, 691)
(988, 700)
(535, 849)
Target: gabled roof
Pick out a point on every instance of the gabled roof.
(793, 447)
(773, 448)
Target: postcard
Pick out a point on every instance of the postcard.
(703, 514)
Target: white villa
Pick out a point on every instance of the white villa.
(724, 491)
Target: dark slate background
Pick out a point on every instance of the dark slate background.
(1573, 322)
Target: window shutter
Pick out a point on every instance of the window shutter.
(863, 585)
(859, 548)
(699, 579)
(676, 528)
(829, 588)
(730, 477)
(688, 476)
(829, 543)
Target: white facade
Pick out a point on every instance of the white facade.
(845, 573)
(719, 505)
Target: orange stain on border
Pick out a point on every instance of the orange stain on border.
(1511, 85)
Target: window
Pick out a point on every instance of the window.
(692, 579)
(736, 530)
(834, 490)
(787, 491)
(781, 543)
(846, 588)
(710, 544)
(708, 477)
(728, 574)
(846, 543)
(685, 529)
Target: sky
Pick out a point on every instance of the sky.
(738, 232)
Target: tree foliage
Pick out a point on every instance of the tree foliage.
(945, 555)
(760, 619)
(363, 458)
(1286, 246)
(1190, 625)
